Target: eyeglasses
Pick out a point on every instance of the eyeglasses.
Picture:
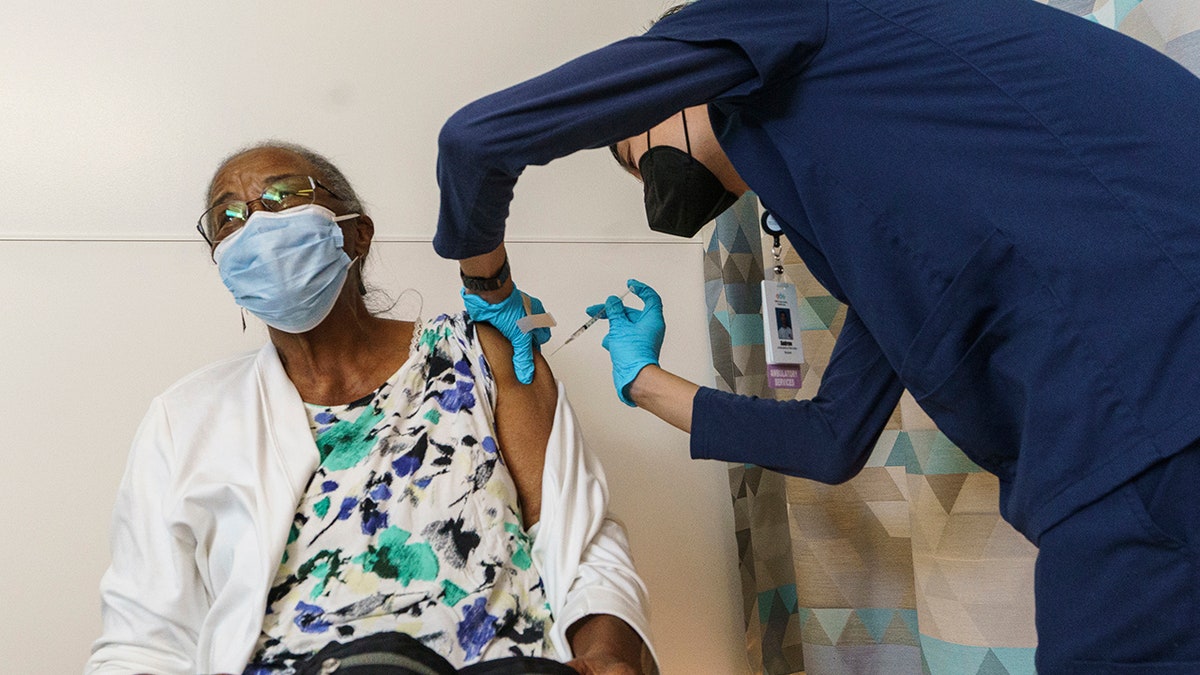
(225, 218)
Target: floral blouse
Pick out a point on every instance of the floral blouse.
(411, 522)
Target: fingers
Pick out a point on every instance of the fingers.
(523, 358)
(593, 310)
(648, 295)
(613, 309)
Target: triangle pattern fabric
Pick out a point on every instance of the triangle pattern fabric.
(855, 633)
(946, 488)
(1016, 660)
(904, 454)
(833, 621)
(945, 457)
(991, 665)
(814, 633)
(876, 621)
(945, 657)
(900, 633)
(825, 308)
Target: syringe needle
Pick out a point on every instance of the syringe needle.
(586, 325)
(578, 332)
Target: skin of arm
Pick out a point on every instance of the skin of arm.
(524, 416)
(603, 644)
(664, 395)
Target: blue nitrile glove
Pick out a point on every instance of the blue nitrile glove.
(504, 316)
(635, 336)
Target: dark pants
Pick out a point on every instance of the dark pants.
(1118, 583)
(399, 654)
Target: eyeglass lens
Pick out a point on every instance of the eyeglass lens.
(225, 218)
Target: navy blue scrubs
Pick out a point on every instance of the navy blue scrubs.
(1007, 197)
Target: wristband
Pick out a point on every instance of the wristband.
(479, 284)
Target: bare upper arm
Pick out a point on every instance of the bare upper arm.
(524, 416)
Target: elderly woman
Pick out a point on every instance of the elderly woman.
(359, 486)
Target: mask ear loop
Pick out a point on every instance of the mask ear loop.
(420, 302)
(362, 286)
(686, 138)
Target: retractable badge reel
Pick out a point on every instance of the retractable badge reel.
(780, 309)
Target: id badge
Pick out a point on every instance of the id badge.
(781, 335)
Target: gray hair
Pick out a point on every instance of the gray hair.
(330, 176)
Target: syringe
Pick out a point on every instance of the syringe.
(586, 325)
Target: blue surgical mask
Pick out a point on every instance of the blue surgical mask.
(286, 267)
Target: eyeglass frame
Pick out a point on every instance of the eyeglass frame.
(313, 182)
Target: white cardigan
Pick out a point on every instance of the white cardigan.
(215, 473)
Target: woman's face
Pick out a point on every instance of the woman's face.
(246, 177)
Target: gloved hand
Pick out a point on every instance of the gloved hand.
(504, 316)
(635, 336)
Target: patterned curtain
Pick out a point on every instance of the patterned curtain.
(908, 567)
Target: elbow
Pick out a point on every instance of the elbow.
(833, 464)
(847, 459)
(843, 458)
(834, 476)
(839, 472)
(470, 138)
(833, 472)
(455, 139)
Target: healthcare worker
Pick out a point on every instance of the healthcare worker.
(1008, 199)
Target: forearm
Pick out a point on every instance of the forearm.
(605, 639)
(664, 395)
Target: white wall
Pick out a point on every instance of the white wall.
(112, 117)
